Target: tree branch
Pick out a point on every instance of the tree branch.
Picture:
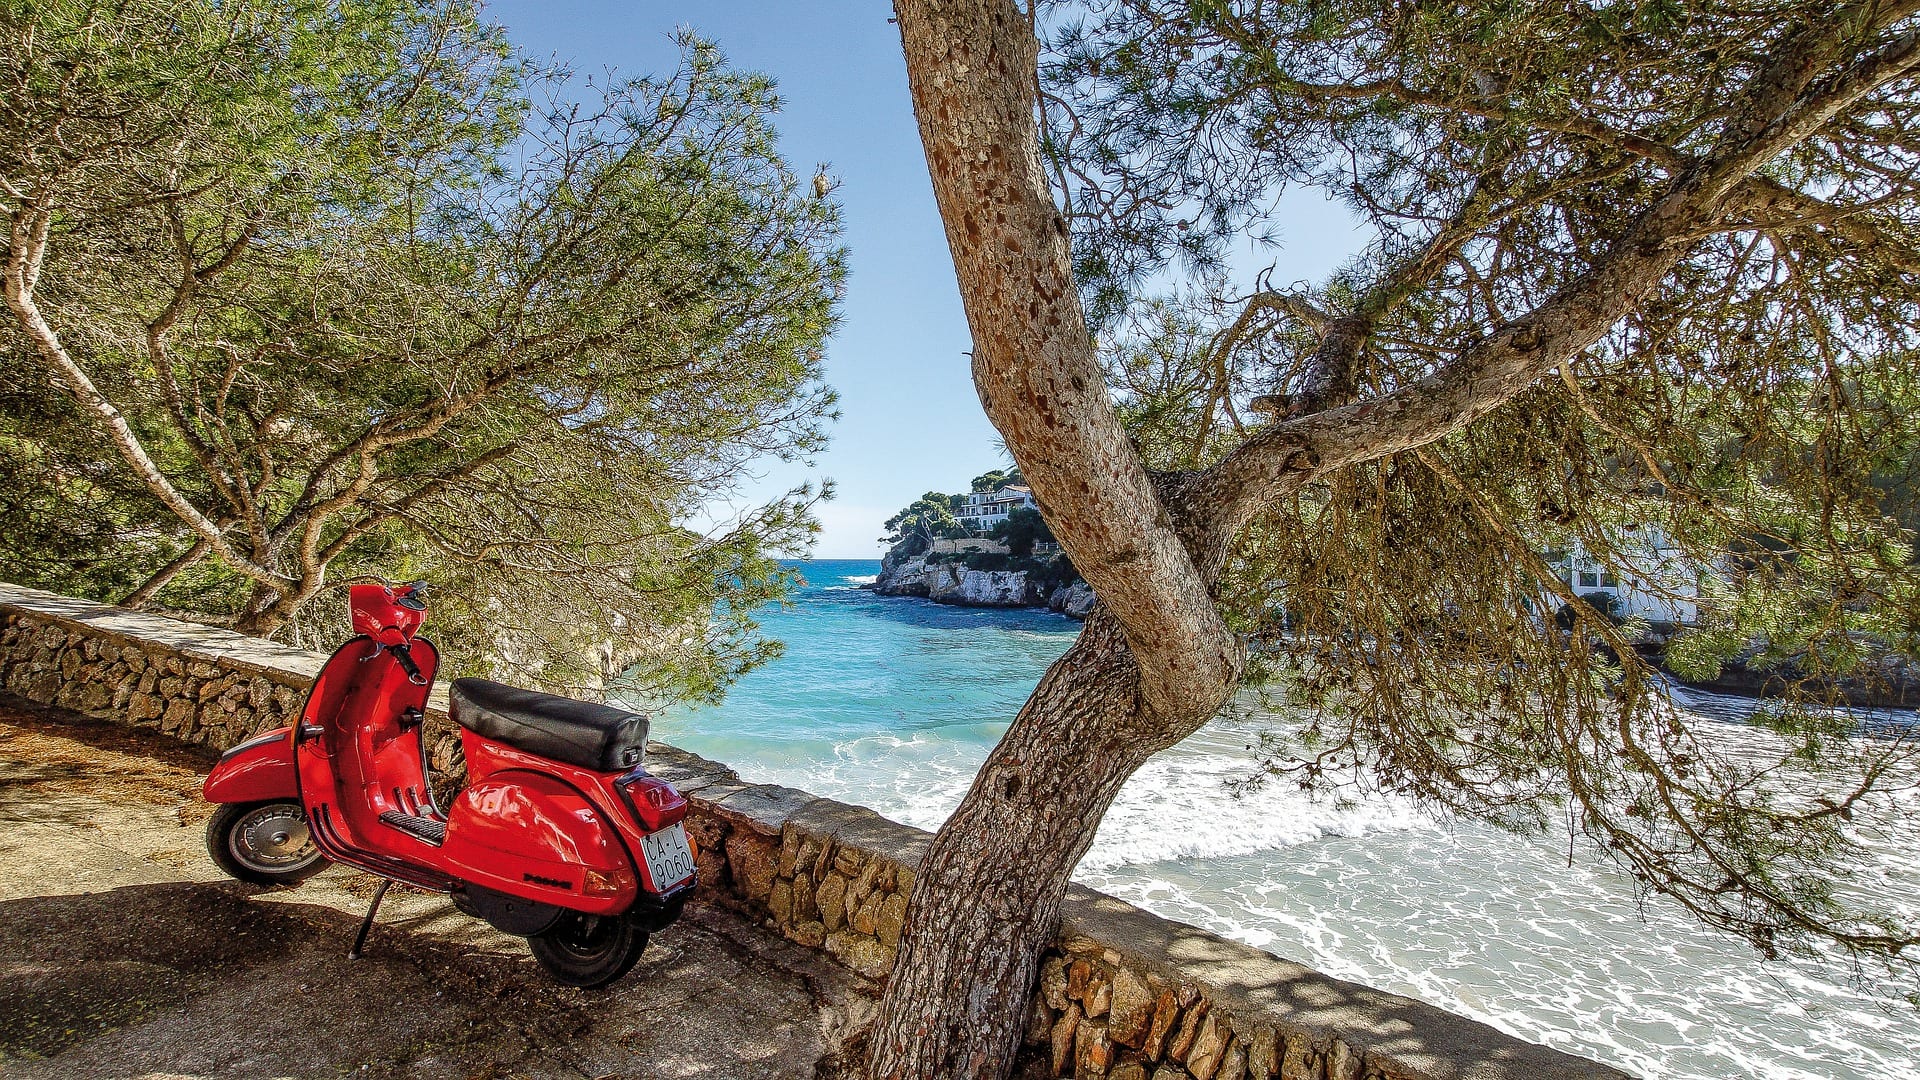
(27, 249)
(971, 66)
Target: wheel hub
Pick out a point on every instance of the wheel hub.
(274, 838)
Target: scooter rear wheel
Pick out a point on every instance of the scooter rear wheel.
(589, 951)
(264, 843)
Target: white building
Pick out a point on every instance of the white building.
(985, 509)
(1647, 576)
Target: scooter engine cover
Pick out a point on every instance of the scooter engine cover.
(509, 914)
(528, 834)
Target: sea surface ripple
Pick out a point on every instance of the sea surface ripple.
(893, 703)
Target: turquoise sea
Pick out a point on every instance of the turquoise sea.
(893, 703)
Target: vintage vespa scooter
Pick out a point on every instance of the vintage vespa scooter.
(560, 836)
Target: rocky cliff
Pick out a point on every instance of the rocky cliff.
(951, 582)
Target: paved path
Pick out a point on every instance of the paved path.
(125, 953)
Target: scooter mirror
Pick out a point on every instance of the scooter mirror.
(416, 598)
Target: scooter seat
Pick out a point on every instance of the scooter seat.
(598, 737)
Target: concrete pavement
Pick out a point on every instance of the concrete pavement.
(125, 953)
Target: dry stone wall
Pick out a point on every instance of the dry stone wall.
(1122, 995)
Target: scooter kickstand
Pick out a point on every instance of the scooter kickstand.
(360, 938)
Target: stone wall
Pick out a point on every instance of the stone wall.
(199, 684)
(1122, 995)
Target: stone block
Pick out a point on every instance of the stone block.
(1079, 974)
(1093, 1051)
(1209, 1046)
(1053, 983)
(867, 919)
(847, 861)
(1063, 1044)
(892, 920)
(1039, 1024)
(805, 907)
(1132, 1070)
(1262, 1059)
(177, 716)
(96, 696)
(780, 902)
(1234, 1065)
(1099, 997)
(863, 885)
(1166, 1011)
(811, 934)
(791, 837)
(1182, 1043)
(861, 953)
(1342, 1062)
(1300, 1062)
(1170, 1072)
(832, 900)
(751, 858)
(1131, 1010)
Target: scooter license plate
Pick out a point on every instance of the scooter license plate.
(669, 859)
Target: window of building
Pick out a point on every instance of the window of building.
(1589, 579)
(1608, 581)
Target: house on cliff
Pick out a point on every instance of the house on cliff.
(985, 509)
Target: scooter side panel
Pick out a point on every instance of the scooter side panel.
(360, 763)
(260, 768)
(532, 836)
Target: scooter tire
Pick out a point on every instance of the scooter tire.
(263, 843)
(589, 951)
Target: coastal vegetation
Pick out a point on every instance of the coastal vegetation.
(302, 291)
(1629, 264)
(934, 551)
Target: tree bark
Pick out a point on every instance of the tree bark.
(1155, 660)
(986, 902)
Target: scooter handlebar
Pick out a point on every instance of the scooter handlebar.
(405, 656)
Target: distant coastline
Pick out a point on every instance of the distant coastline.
(972, 574)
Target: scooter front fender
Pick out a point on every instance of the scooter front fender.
(259, 769)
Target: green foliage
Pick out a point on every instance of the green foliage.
(929, 517)
(1758, 405)
(377, 294)
(995, 480)
(1022, 529)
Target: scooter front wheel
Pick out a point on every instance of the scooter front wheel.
(589, 951)
(264, 843)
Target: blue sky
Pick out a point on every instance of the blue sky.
(910, 421)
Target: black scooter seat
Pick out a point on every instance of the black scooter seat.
(598, 737)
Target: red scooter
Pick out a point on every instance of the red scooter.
(560, 836)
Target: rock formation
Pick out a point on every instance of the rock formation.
(952, 582)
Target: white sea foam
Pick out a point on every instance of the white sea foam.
(893, 704)
(1189, 804)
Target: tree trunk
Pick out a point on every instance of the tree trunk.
(986, 903)
(1155, 660)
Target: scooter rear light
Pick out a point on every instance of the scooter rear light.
(652, 802)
